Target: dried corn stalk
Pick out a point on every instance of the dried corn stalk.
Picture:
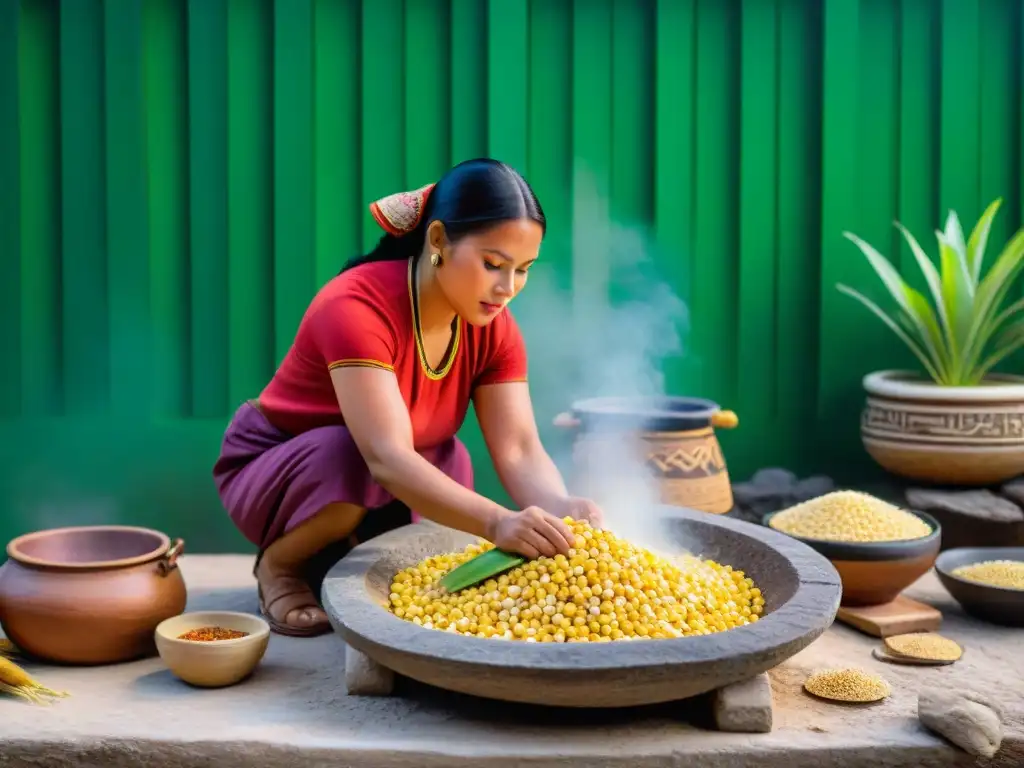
(17, 682)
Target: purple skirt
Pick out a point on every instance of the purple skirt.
(270, 481)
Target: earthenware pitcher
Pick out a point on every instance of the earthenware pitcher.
(673, 438)
(90, 595)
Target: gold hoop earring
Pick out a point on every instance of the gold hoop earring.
(435, 259)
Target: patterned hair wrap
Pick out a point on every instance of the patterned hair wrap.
(398, 214)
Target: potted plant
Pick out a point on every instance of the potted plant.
(957, 421)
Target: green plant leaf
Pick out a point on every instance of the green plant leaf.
(979, 240)
(1008, 342)
(991, 294)
(957, 296)
(954, 234)
(909, 300)
(894, 326)
(906, 323)
(923, 317)
(953, 339)
(931, 277)
(1004, 272)
(1004, 316)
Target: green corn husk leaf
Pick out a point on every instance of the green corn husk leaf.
(894, 326)
(913, 304)
(992, 292)
(491, 563)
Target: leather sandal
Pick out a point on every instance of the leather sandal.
(290, 594)
(297, 595)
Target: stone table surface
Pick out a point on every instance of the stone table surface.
(295, 708)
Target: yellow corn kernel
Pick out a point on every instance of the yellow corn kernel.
(605, 590)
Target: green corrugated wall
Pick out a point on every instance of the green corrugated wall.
(177, 178)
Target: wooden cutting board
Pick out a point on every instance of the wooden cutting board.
(900, 616)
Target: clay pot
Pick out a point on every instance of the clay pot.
(90, 595)
(876, 572)
(946, 435)
(671, 440)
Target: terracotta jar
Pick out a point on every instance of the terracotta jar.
(90, 595)
(651, 449)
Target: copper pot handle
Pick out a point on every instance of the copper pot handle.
(170, 559)
(566, 420)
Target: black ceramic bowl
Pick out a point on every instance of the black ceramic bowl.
(876, 572)
(992, 604)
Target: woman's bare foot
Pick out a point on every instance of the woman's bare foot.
(287, 602)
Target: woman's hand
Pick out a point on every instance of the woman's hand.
(582, 509)
(533, 533)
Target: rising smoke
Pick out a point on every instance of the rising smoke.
(609, 335)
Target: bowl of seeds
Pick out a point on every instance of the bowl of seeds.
(988, 582)
(212, 649)
(878, 549)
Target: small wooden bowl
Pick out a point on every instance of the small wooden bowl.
(995, 605)
(875, 573)
(214, 663)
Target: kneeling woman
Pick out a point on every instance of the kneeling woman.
(361, 417)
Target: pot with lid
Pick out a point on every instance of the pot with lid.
(671, 438)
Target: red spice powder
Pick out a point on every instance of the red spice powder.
(209, 634)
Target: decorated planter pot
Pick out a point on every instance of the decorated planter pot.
(948, 435)
(668, 444)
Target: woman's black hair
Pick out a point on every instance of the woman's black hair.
(472, 196)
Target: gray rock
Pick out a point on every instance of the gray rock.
(774, 488)
(1014, 490)
(365, 677)
(749, 494)
(967, 719)
(745, 707)
(813, 487)
(980, 504)
(774, 478)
